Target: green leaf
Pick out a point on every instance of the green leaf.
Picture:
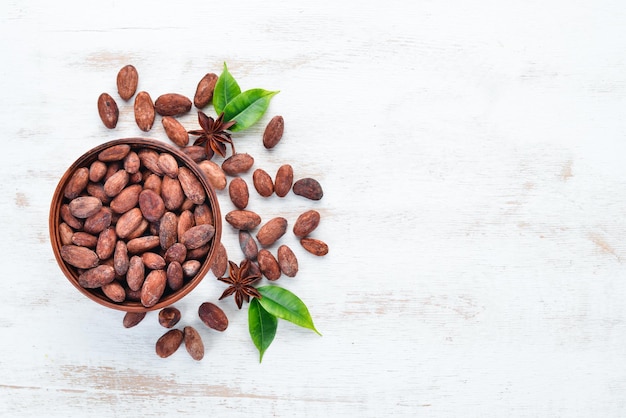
(262, 326)
(226, 89)
(247, 108)
(283, 304)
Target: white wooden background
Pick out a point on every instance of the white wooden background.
(472, 157)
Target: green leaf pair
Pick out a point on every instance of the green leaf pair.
(246, 108)
(263, 315)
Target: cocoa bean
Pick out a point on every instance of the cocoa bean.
(262, 182)
(135, 275)
(287, 261)
(220, 263)
(175, 131)
(168, 317)
(126, 199)
(131, 319)
(176, 252)
(175, 275)
(132, 163)
(99, 221)
(213, 316)
(127, 80)
(273, 132)
(83, 239)
(193, 343)
(306, 223)
(141, 244)
(114, 291)
(151, 205)
(171, 104)
(284, 180)
(204, 91)
(168, 164)
(116, 183)
(97, 170)
(191, 268)
(168, 230)
(309, 188)
(128, 222)
(248, 245)
(106, 243)
(191, 186)
(214, 174)
(237, 164)
(144, 111)
(169, 343)
(238, 192)
(120, 258)
(172, 193)
(108, 110)
(272, 231)
(243, 219)
(314, 246)
(153, 261)
(268, 265)
(202, 214)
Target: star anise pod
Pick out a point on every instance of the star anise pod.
(213, 134)
(240, 281)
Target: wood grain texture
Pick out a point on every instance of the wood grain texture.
(472, 159)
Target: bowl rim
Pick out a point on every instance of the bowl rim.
(54, 221)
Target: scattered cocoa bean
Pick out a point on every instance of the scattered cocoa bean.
(221, 261)
(169, 343)
(287, 261)
(238, 192)
(284, 180)
(263, 182)
(237, 164)
(108, 110)
(127, 80)
(309, 188)
(172, 104)
(213, 316)
(204, 91)
(314, 246)
(273, 132)
(144, 111)
(268, 265)
(272, 231)
(248, 245)
(168, 317)
(131, 319)
(243, 219)
(306, 223)
(175, 131)
(193, 343)
(214, 174)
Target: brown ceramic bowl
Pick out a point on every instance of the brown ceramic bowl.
(58, 199)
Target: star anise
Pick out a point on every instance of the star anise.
(240, 281)
(213, 134)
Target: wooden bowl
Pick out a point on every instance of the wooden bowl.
(169, 297)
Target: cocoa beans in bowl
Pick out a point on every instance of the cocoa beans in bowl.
(134, 224)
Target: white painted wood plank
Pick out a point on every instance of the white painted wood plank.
(472, 162)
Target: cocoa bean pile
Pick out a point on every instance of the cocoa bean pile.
(244, 221)
(136, 224)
